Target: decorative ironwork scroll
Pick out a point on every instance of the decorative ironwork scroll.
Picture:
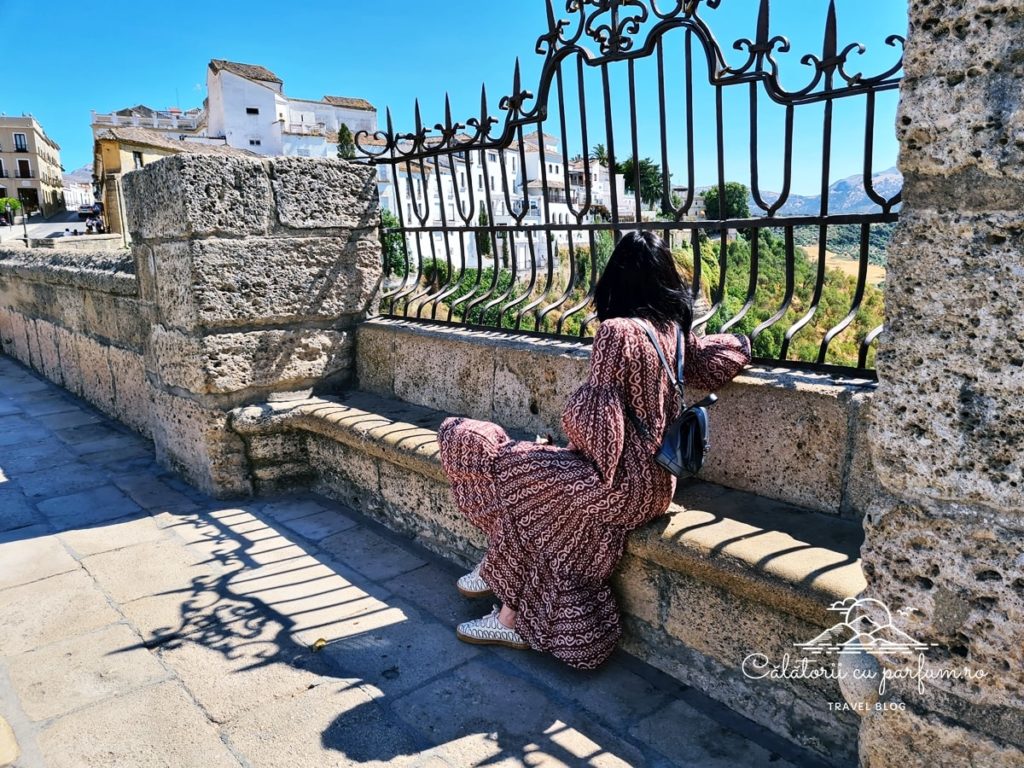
(506, 222)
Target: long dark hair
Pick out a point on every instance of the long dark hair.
(641, 281)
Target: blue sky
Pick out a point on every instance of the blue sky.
(393, 51)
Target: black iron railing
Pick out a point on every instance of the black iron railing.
(508, 223)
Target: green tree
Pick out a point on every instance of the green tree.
(483, 239)
(600, 154)
(346, 144)
(391, 243)
(650, 179)
(13, 202)
(736, 205)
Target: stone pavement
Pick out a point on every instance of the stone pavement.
(145, 624)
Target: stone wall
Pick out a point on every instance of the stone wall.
(944, 549)
(252, 274)
(792, 436)
(75, 318)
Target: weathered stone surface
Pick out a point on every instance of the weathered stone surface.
(316, 193)
(196, 442)
(31, 559)
(371, 555)
(320, 525)
(861, 485)
(116, 319)
(67, 350)
(954, 577)
(97, 382)
(687, 737)
(104, 538)
(232, 362)
(15, 509)
(233, 668)
(49, 356)
(532, 381)
(952, 359)
(131, 390)
(145, 569)
(198, 196)
(916, 740)
(637, 585)
(220, 284)
(142, 728)
(96, 505)
(337, 721)
(90, 667)
(375, 358)
(52, 609)
(350, 474)
(453, 377)
(9, 749)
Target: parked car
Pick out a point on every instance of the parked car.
(84, 212)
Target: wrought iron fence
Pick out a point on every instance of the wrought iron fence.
(508, 223)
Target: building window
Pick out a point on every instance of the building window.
(3, 172)
(254, 142)
(137, 157)
(252, 110)
(20, 142)
(480, 182)
(492, 183)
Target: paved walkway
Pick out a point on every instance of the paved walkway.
(145, 624)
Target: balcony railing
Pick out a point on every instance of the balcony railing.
(24, 175)
(779, 281)
(307, 129)
(161, 120)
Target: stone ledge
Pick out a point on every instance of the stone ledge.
(109, 272)
(785, 556)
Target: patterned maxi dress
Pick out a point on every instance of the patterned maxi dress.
(557, 518)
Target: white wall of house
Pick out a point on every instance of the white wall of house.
(248, 114)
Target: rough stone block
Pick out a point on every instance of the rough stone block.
(320, 525)
(964, 39)
(49, 356)
(233, 362)
(532, 382)
(196, 441)
(315, 193)
(215, 284)
(97, 381)
(131, 389)
(638, 588)
(149, 568)
(960, 576)
(6, 337)
(67, 351)
(117, 319)
(19, 339)
(344, 473)
(920, 740)
(861, 485)
(951, 360)
(439, 371)
(363, 550)
(375, 358)
(198, 196)
(799, 453)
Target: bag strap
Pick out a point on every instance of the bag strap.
(677, 380)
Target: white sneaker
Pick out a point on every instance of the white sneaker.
(473, 585)
(490, 631)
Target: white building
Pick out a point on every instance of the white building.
(248, 108)
(545, 191)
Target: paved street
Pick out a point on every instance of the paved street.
(39, 227)
(145, 624)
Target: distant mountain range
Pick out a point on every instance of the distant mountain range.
(82, 176)
(846, 196)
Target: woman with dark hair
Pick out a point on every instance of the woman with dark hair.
(557, 518)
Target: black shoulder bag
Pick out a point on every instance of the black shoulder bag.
(687, 440)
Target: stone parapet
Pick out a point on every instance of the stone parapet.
(796, 437)
(252, 273)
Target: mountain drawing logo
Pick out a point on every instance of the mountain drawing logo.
(858, 632)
